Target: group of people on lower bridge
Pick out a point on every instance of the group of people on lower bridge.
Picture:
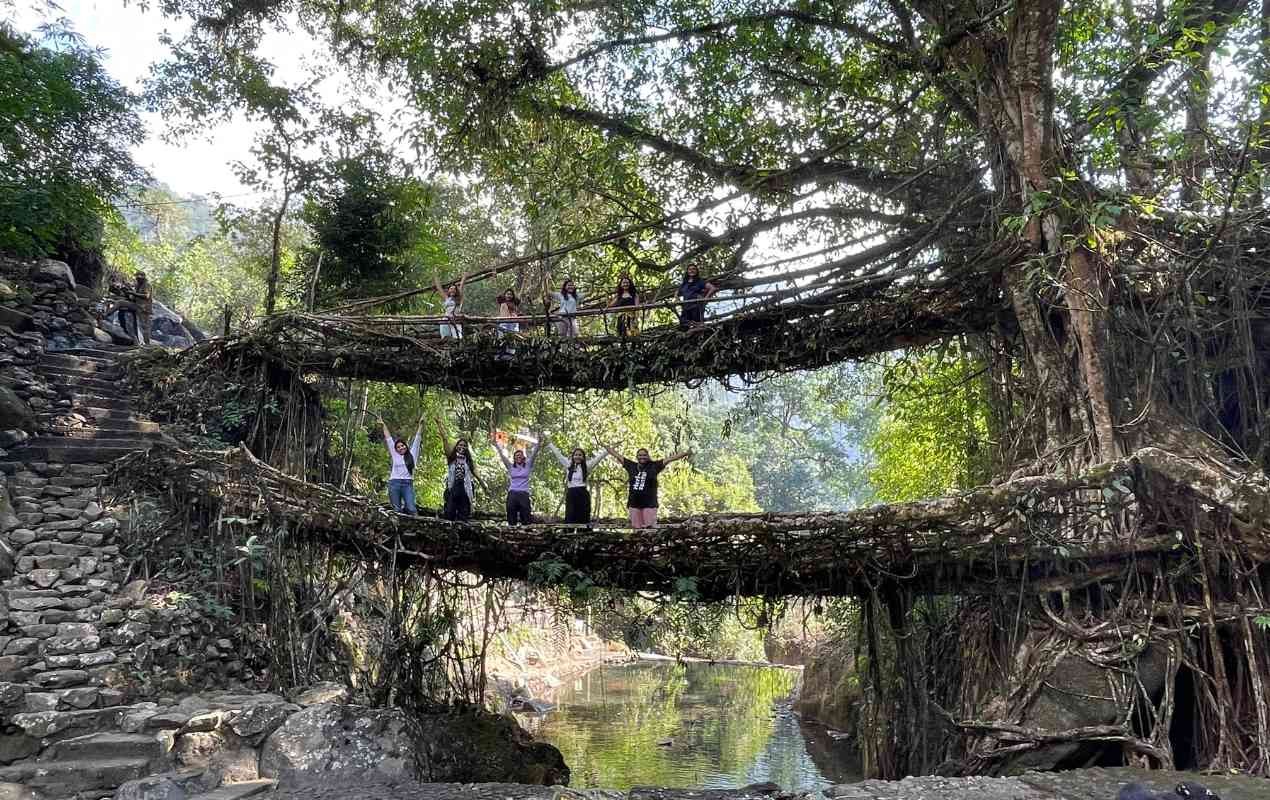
(642, 473)
(692, 292)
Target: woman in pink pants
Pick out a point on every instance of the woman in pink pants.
(641, 494)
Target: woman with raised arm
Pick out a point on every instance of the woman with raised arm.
(577, 471)
(641, 490)
(627, 297)
(519, 509)
(451, 307)
(459, 472)
(401, 479)
(568, 299)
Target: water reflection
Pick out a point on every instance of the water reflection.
(688, 725)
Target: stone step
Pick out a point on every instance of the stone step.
(106, 387)
(96, 746)
(79, 453)
(95, 399)
(136, 441)
(61, 364)
(101, 350)
(66, 778)
(237, 791)
(96, 412)
(108, 428)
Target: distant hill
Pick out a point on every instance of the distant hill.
(156, 211)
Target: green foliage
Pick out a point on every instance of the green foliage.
(66, 128)
(201, 260)
(371, 226)
(933, 435)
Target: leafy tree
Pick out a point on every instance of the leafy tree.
(66, 130)
(934, 433)
(372, 227)
(202, 261)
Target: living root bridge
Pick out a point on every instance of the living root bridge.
(784, 338)
(1042, 532)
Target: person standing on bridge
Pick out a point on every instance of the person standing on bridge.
(568, 299)
(451, 307)
(577, 497)
(519, 509)
(641, 493)
(694, 291)
(459, 473)
(401, 479)
(627, 297)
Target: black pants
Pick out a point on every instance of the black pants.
(692, 315)
(458, 506)
(518, 511)
(577, 506)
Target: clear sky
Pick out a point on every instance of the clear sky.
(129, 39)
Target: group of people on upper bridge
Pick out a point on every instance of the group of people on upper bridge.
(642, 473)
(693, 292)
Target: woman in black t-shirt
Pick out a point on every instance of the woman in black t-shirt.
(641, 490)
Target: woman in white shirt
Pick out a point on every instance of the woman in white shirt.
(568, 299)
(577, 497)
(451, 307)
(401, 479)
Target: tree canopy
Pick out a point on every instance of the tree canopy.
(66, 130)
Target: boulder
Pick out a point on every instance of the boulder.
(178, 785)
(1076, 694)
(15, 319)
(255, 722)
(48, 270)
(339, 744)
(16, 791)
(322, 693)
(15, 413)
(225, 757)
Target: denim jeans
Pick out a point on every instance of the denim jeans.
(401, 495)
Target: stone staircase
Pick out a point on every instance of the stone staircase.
(94, 421)
(72, 639)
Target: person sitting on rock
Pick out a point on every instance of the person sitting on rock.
(140, 301)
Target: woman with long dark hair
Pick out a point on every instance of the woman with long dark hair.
(451, 307)
(568, 299)
(401, 478)
(694, 291)
(577, 473)
(459, 473)
(627, 296)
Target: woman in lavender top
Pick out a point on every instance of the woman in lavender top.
(519, 510)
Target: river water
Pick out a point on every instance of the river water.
(690, 726)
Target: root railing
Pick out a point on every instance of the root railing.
(1053, 532)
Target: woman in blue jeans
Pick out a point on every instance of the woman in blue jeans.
(401, 481)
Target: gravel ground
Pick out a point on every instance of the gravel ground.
(1086, 784)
